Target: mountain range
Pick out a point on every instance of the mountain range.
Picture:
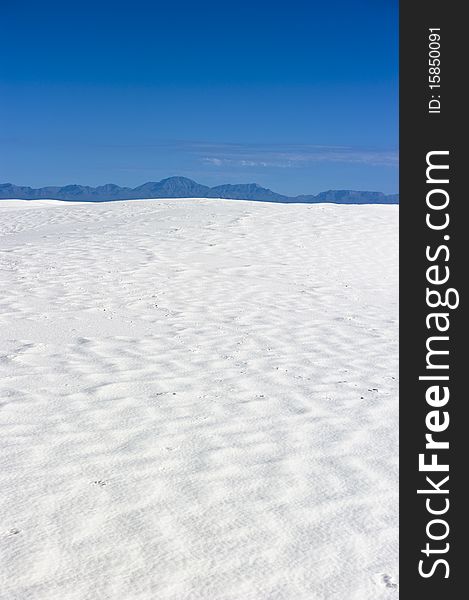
(182, 187)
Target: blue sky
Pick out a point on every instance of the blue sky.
(296, 96)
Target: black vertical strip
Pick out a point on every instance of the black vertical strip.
(422, 132)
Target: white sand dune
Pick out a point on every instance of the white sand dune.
(199, 401)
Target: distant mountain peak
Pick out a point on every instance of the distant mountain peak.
(183, 187)
(178, 178)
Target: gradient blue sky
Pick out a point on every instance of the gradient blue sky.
(297, 96)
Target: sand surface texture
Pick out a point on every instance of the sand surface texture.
(198, 401)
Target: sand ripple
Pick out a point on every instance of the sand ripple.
(198, 401)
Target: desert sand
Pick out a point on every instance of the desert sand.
(198, 401)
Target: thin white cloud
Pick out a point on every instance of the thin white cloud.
(263, 157)
(251, 155)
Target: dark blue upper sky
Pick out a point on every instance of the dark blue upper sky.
(297, 96)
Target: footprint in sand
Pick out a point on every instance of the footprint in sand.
(387, 581)
(100, 483)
